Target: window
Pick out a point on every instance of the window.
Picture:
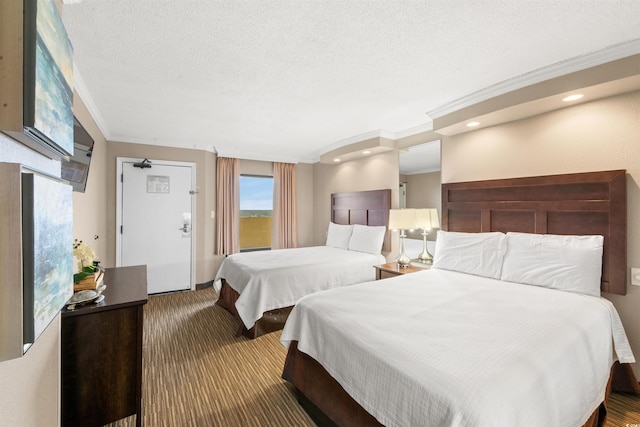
(256, 211)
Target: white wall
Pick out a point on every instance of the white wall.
(595, 136)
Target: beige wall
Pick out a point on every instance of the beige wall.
(90, 207)
(30, 392)
(256, 167)
(423, 190)
(371, 173)
(30, 385)
(595, 136)
(206, 262)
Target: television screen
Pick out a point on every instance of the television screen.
(76, 168)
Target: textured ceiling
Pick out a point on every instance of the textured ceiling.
(289, 80)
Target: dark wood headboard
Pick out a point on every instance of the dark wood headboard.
(593, 203)
(364, 208)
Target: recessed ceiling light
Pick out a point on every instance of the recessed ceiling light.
(366, 152)
(572, 97)
(473, 124)
(336, 160)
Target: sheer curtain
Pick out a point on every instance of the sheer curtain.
(285, 216)
(227, 206)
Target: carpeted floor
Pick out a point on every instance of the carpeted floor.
(197, 373)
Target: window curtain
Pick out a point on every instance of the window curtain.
(285, 213)
(227, 206)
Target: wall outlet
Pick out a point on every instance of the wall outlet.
(635, 276)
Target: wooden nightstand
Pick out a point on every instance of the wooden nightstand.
(392, 269)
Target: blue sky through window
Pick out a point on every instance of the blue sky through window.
(256, 193)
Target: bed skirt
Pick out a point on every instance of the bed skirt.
(328, 404)
(270, 321)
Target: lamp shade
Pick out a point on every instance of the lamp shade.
(402, 219)
(427, 218)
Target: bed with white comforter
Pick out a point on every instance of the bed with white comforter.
(260, 288)
(504, 330)
(453, 349)
(269, 280)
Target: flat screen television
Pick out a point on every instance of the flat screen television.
(76, 168)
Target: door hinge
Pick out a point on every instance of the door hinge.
(120, 229)
(121, 177)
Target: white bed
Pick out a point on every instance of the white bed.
(260, 288)
(453, 349)
(269, 280)
(505, 329)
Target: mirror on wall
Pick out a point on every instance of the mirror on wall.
(420, 179)
(420, 175)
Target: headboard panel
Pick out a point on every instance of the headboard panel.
(364, 208)
(572, 204)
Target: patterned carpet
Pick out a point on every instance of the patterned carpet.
(197, 373)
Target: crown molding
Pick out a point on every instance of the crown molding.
(619, 51)
(261, 156)
(84, 94)
(357, 138)
(425, 127)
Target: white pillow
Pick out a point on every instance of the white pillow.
(367, 239)
(338, 235)
(568, 263)
(480, 254)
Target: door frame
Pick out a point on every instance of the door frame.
(119, 170)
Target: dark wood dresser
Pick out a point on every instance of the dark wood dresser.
(102, 353)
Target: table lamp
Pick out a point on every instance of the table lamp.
(402, 220)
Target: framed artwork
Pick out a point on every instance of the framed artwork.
(47, 251)
(48, 78)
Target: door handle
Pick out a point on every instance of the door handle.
(185, 228)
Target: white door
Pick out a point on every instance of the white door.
(156, 220)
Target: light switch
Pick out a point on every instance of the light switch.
(213, 214)
(635, 276)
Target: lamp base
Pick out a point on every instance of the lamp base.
(425, 258)
(403, 261)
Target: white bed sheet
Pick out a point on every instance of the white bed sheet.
(267, 280)
(450, 349)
